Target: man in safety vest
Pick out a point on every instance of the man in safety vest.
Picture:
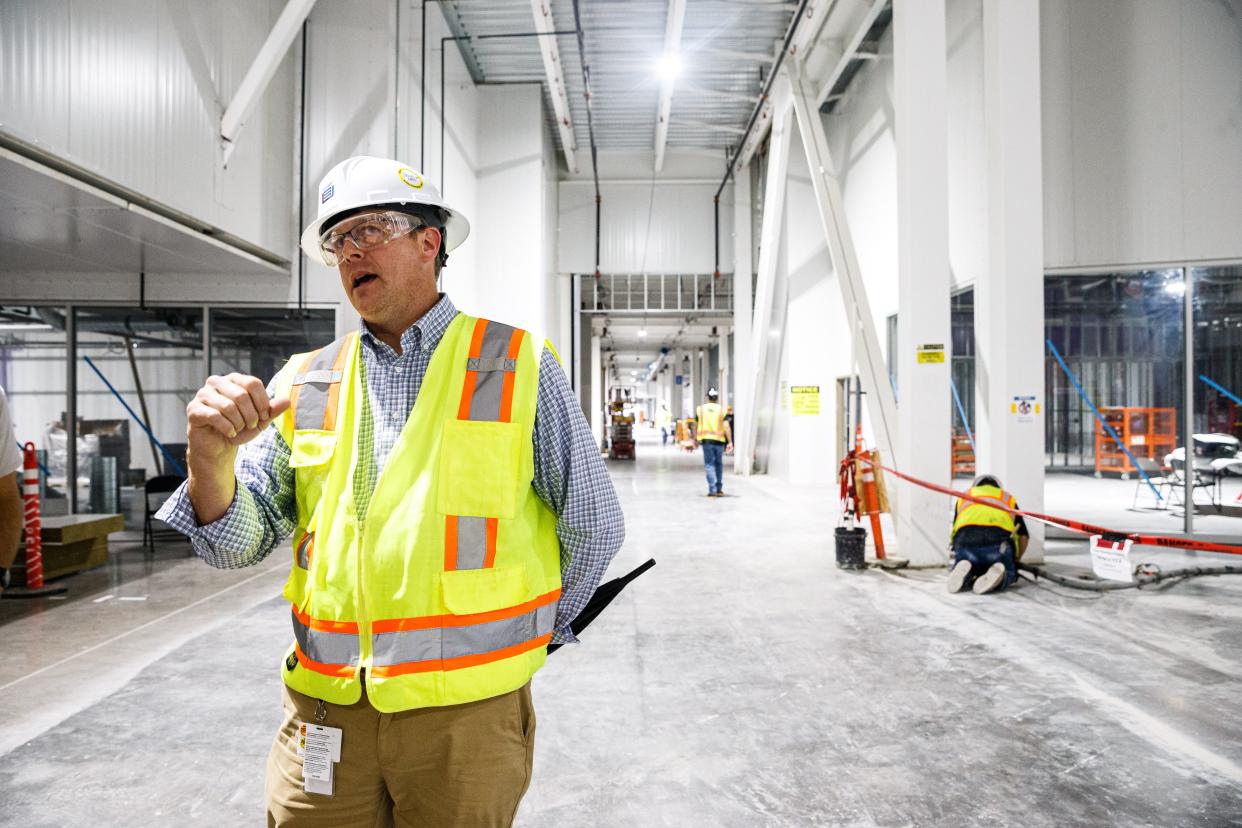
(667, 427)
(987, 542)
(450, 516)
(713, 433)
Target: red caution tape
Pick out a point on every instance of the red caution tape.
(1074, 525)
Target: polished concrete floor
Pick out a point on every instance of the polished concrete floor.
(744, 681)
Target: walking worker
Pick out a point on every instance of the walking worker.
(450, 516)
(714, 434)
(987, 542)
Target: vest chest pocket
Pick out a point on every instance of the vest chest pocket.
(479, 467)
(311, 447)
(473, 591)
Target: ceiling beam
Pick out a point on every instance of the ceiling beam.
(555, 75)
(260, 73)
(672, 55)
(703, 92)
(842, 54)
(710, 126)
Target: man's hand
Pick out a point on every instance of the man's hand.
(225, 413)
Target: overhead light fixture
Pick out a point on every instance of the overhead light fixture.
(668, 66)
(642, 331)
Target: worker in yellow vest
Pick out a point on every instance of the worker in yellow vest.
(714, 435)
(987, 541)
(450, 516)
(667, 426)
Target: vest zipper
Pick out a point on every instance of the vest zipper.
(364, 621)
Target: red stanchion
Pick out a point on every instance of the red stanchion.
(34, 527)
(871, 497)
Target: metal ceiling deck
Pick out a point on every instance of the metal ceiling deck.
(727, 47)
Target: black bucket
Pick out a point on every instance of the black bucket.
(851, 548)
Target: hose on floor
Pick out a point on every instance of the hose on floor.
(1146, 575)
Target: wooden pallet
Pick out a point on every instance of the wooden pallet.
(71, 543)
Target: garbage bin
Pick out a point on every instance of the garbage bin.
(851, 548)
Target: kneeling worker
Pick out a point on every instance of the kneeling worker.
(987, 541)
(450, 516)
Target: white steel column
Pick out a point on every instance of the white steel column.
(697, 378)
(725, 369)
(1009, 298)
(769, 250)
(260, 73)
(872, 371)
(743, 288)
(597, 390)
(920, 90)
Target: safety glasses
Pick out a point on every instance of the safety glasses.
(367, 231)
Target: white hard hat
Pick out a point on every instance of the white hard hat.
(365, 181)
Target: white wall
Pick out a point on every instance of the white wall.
(108, 86)
(816, 346)
(652, 224)
(1142, 126)
(511, 281)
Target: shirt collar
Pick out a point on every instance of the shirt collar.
(424, 334)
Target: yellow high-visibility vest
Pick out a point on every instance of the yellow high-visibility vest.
(711, 422)
(447, 591)
(977, 514)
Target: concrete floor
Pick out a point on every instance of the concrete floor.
(745, 681)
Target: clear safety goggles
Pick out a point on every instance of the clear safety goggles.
(367, 231)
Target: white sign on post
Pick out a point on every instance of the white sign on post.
(1111, 559)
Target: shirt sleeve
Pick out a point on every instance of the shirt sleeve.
(10, 456)
(262, 514)
(570, 477)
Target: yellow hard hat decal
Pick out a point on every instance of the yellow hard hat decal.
(410, 177)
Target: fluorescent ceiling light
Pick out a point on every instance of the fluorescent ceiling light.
(642, 331)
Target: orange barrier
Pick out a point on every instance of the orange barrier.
(1072, 525)
(34, 527)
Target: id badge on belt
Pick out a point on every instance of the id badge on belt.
(320, 749)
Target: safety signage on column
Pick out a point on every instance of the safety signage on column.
(805, 400)
(931, 353)
(1025, 408)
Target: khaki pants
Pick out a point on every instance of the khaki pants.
(464, 765)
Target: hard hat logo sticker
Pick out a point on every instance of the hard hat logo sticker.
(410, 177)
(328, 192)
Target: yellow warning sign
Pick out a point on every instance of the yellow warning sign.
(804, 400)
(931, 353)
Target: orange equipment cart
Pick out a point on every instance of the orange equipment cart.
(1150, 433)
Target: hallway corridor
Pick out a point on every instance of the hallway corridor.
(744, 681)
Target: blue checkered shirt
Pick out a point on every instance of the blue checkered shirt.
(570, 476)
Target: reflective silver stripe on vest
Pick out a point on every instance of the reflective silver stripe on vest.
(326, 647)
(453, 642)
(321, 376)
(304, 551)
(490, 383)
(491, 364)
(316, 380)
(471, 542)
